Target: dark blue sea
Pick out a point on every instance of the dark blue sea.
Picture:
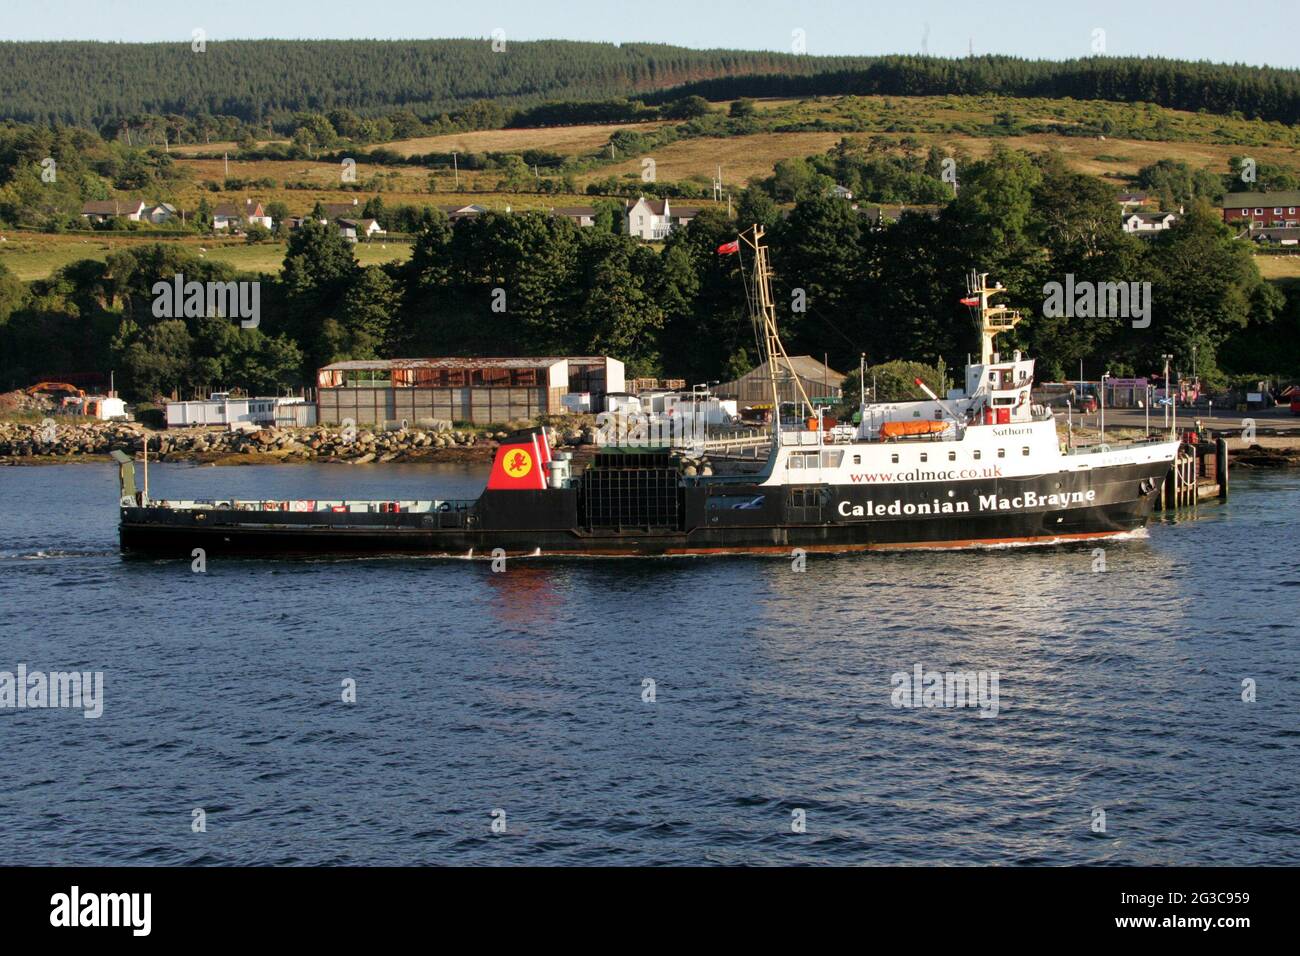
(524, 692)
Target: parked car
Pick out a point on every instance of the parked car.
(1295, 405)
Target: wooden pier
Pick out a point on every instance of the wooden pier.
(1200, 472)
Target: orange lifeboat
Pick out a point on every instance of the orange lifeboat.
(904, 429)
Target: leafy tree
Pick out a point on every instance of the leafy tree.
(369, 307)
(688, 107)
(159, 362)
(893, 382)
(755, 206)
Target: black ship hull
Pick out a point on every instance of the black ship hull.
(705, 518)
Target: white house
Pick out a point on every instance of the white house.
(1144, 222)
(160, 213)
(100, 210)
(840, 192)
(655, 218)
(355, 229)
(232, 216)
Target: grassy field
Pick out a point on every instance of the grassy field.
(966, 123)
(969, 124)
(566, 140)
(37, 255)
(1279, 267)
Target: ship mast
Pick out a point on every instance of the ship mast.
(992, 318)
(763, 314)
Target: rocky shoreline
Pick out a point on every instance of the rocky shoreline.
(25, 443)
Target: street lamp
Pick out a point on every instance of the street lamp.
(1102, 408)
(1168, 392)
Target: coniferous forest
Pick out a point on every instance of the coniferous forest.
(264, 82)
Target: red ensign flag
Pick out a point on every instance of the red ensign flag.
(727, 248)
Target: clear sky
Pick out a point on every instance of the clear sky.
(1251, 31)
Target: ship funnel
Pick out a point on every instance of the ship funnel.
(522, 462)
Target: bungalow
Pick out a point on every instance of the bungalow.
(160, 213)
(1129, 201)
(578, 215)
(655, 218)
(839, 192)
(233, 216)
(355, 229)
(1280, 236)
(1279, 209)
(682, 216)
(337, 210)
(1146, 222)
(101, 210)
(455, 213)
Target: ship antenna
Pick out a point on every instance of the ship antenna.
(763, 315)
(992, 319)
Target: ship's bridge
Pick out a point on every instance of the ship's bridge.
(1001, 386)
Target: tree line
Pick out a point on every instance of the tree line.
(264, 83)
(502, 284)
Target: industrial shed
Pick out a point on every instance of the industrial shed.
(755, 387)
(478, 390)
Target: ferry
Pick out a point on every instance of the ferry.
(983, 466)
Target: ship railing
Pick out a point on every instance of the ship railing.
(317, 505)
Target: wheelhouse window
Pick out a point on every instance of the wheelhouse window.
(1024, 450)
(976, 454)
(894, 458)
(1002, 453)
(952, 456)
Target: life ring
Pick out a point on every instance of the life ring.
(444, 507)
